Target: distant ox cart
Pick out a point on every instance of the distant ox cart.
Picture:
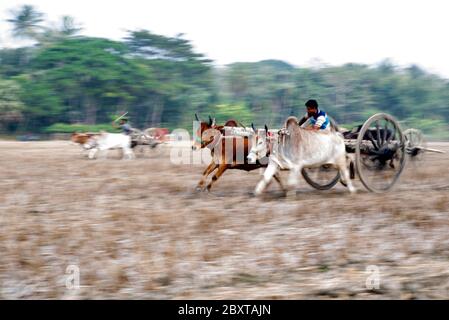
(138, 140)
(151, 137)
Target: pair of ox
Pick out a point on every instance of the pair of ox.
(101, 142)
(227, 151)
(292, 148)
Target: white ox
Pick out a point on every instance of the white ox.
(296, 148)
(107, 141)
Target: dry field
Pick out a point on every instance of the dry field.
(135, 229)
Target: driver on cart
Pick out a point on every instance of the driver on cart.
(124, 126)
(315, 119)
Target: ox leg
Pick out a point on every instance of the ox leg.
(344, 173)
(293, 181)
(92, 153)
(221, 169)
(267, 176)
(293, 176)
(128, 153)
(102, 152)
(277, 177)
(211, 167)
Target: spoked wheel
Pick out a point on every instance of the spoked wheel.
(136, 142)
(380, 152)
(322, 178)
(154, 137)
(414, 142)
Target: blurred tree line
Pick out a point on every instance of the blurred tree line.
(62, 80)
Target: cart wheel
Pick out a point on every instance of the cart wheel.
(150, 132)
(380, 152)
(322, 178)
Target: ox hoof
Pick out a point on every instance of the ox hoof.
(259, 188)
(198, 189)
(353, 191)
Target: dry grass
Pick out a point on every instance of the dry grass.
(136, 230)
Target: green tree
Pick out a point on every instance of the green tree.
(11, 107)
(185, 77)
(66, 28)
(84, 80)
(26, 22)
(14, 62)
(69, 27)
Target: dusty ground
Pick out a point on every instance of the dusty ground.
(135, 229)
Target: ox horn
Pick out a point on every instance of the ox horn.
(196, 117)
(266, 128)
(252, 126)
(210, 121)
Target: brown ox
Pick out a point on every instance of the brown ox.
(228, 151)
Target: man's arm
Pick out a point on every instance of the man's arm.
(302, 121)
(319, 122)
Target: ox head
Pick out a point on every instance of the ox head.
(78, 137)
(260, 145)
(206, 133)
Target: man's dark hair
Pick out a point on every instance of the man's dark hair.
(312, 104)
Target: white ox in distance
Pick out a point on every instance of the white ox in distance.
(108, 141)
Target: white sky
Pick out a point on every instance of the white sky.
(226, 31)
